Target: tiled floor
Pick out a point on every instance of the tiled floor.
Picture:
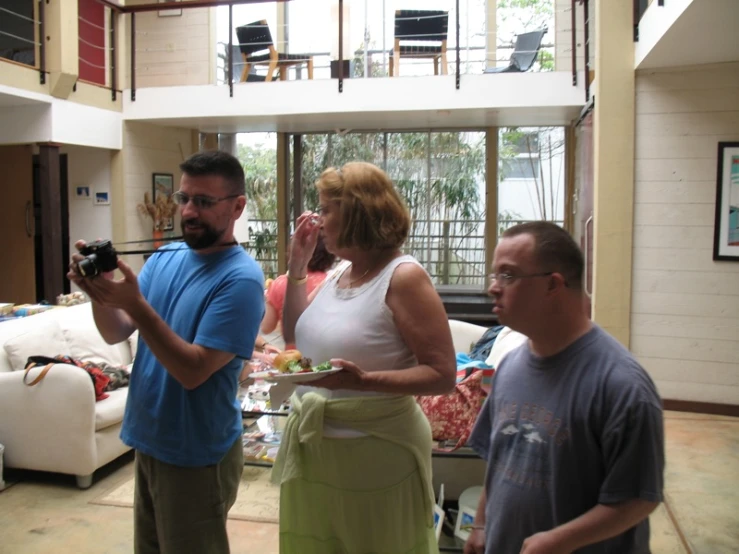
(46, 513)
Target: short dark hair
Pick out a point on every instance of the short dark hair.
(554, 250)
(322, 259)
(217, 162)
(373, 214)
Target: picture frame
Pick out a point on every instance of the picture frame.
(162, 184)
(726, 220)
(465, 520)
(82, 191)
(102, 198)
(439, 516)
(169, 13)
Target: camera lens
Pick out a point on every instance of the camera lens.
(87, 267)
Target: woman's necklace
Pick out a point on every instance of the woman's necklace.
(362, 276)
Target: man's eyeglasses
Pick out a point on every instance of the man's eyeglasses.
(199, 201)
(504, 279)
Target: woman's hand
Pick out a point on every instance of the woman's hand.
(351, 378)
(303, 243)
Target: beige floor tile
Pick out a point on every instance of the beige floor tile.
(709, 522)
(702, 456)
(664, 537)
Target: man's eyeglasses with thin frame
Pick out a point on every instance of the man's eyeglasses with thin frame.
(201, 202)
(505, 278)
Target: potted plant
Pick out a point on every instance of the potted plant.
(161, 211)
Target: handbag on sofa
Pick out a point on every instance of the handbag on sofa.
(100, 380)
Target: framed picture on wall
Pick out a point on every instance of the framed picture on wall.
(169, 13)
(163, 186)
(102, 198)
(726, 224)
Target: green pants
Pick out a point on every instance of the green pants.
(183, 510)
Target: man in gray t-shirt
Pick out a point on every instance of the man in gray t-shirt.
(572, 430)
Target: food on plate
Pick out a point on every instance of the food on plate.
(292, 361)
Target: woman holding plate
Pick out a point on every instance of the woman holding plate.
(355, 461)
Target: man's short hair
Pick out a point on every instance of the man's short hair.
(217, 162)
(554, 250)
(373, 215)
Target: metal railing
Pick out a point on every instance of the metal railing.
(470, 54)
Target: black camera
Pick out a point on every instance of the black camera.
(100, 256)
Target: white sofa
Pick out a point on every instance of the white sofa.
(57, 425)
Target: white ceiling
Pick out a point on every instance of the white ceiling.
(379, 121)
(707, 31)
(12, 100)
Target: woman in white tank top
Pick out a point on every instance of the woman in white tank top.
(355, 461)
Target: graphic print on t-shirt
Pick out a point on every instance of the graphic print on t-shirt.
(523, 442)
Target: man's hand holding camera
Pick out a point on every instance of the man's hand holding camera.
(92, 271)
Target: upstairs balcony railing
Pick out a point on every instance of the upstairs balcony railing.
(26, 39)
(346, 39)
(343, 39)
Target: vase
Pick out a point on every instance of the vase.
(157, 235)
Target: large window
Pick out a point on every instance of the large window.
(531, 175)
(17, 31)
(441, 176)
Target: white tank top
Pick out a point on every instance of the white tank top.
(356, 325)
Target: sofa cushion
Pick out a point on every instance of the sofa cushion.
(133, 343)
(507, 340)
(85, 342)
(110, 410)
(44, 339)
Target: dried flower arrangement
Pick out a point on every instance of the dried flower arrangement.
(161, 211)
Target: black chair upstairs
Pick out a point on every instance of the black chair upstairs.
(420, 26)
(524, 54)
(255, 37)
(238, 68)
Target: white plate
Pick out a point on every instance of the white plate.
(294, 377)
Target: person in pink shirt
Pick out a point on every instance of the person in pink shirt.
(318, 267)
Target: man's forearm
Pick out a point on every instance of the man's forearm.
(113, 324)
(602, 522)
(481, 504)
(182, 360)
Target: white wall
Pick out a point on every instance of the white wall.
(685, 306)
(88, 167)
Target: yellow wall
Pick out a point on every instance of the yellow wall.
(613, 131)
(561, 35)
(147, 149)
(685, 306)
(170, 50)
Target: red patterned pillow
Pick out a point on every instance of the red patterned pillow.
(453, 415)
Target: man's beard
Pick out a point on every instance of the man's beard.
(205, 238)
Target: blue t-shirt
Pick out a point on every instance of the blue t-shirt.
(214, 300)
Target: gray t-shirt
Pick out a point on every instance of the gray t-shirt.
(564, 433)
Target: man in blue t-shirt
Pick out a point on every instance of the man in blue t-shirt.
(197, 307)
(572, 430)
